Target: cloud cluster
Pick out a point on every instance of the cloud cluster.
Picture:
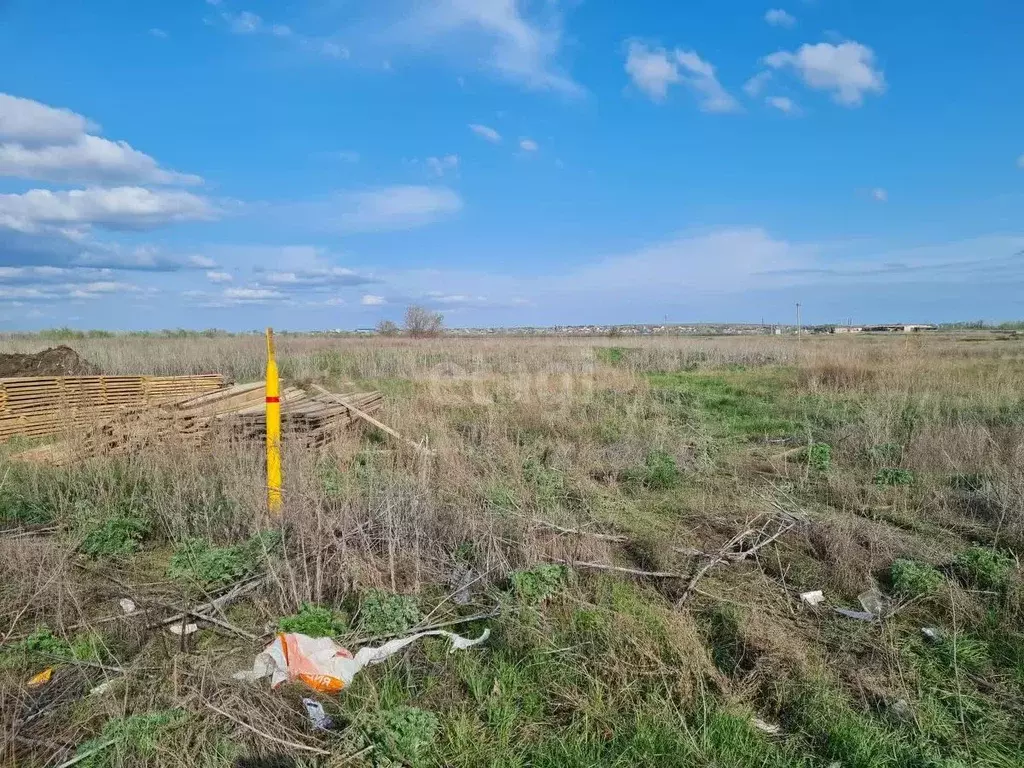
(654, 70)
(249, 23)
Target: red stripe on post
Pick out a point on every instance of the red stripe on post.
(273, 399)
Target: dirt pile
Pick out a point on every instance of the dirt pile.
(58, 361)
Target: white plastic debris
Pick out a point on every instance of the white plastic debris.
(183, 629)
(127, 605)
(769, 728)
(931, 634)
(876, 606)
(817, 597)
(315, 710)
(327, 667)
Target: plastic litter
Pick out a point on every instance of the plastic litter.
(315, 710)
(876, 606)
(127, 605)
(327, 667)
(770, 728)
(931, 634)
(187, 629)
(817, 597)
(41, 679)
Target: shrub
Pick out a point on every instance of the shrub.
(819, 457)
(382, 613)
(315, 621)
(983, 568)
(536, 584)
(894, 476)
(403, 734)
(914, 579)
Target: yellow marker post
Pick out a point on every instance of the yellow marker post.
(273, 429)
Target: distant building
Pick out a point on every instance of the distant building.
(847, 329)
(900, 328)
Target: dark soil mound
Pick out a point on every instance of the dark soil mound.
(59, 361)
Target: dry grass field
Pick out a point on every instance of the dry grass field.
(593, 490)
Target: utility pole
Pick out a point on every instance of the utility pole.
(798, 320)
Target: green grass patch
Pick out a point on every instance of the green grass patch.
(136, 739)
(913, 579)
(893, 476)
(984, 568)
(383, 613)
(659, 472)
(536, 584)
(198, 562)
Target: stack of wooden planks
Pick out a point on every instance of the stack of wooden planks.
(233, 413)
(37, 406)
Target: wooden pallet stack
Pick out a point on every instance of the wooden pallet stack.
(235, 413)
(37, 406)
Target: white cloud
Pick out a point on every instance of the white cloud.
(779, 18)
(219, 277)
(847, 69)
(485, 132)
(316, 278)
(369, 300)
(496, 32)
(251, 295)
(249, 23)
(389, 208)
(654, 70)
(880, 195)
(40, 210)
(783, 104)
(87, 159)
(141, 258)
(528, 145)
(30, 122)
(41, 142)
(441, 165)
(61, 292)
(157, 32)
(244, 23)
(756, 84)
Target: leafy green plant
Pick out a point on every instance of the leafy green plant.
(983, 568)
(22, 511)
(382, 613)
(402, 733)
(536, 584)
(819, 457)
(43, 645)
(315, 621)
(197, 561)
(894, 476)
(42, 642)
(117, 536)
(659, 472)
(914, 579)
(128, 740)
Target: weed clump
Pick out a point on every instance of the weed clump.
(819, 457)
(115, 537)
(914, 579)
(22, 511)
(983, 568)
(894, 476)
(534, 585)
(315, 621)
(382, 613)
(659, 472)
(197, 561)
(402, 734)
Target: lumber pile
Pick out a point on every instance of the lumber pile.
(235, 413)
(37, 406)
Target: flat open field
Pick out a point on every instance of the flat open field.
(634, 519)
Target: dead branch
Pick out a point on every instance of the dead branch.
(615, 537)
(370, 420)
(620, 569)
(258, 732)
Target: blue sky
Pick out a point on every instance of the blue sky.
(324, 163)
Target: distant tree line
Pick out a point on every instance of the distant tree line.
(420, 323)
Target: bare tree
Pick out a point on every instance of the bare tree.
(421, 322)
(388, 328)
